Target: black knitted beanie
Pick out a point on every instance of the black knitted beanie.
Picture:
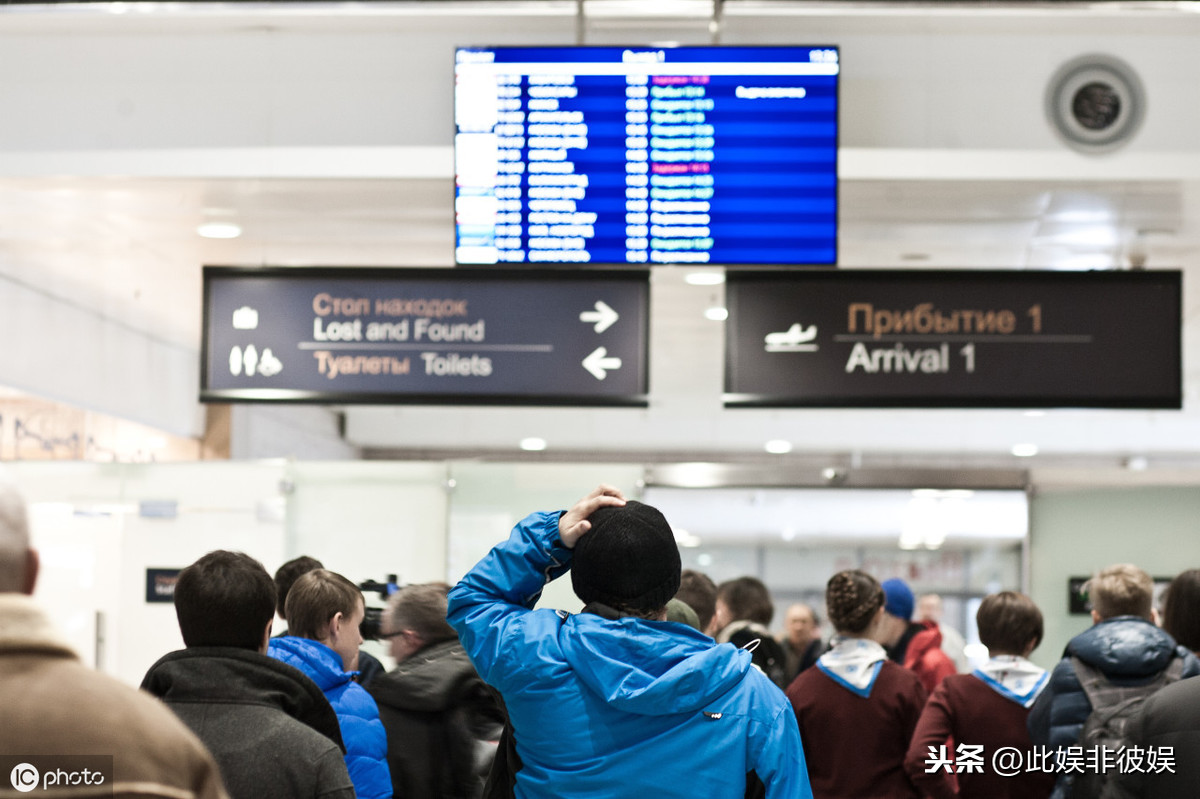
(628, 559)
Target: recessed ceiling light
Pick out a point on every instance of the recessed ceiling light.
(778, 446)
(704, 278)
(219, 230)
(533, 444)
(1025, 450)
(716, 313)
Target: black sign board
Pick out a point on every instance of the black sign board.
(958, 338)
(425, 336)
(160, 584)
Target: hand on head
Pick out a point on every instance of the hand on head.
(574, 523)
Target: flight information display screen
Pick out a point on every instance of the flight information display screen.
(687, 155)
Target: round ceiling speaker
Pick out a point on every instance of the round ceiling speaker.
(1095, 103)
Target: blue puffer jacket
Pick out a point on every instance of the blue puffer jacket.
(1128, 650)
(621, 707)
(358, 715)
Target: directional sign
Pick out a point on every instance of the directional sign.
(959, 338)
(444, 336)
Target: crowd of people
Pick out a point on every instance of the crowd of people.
(664, 684)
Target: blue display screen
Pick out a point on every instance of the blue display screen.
(606, 155)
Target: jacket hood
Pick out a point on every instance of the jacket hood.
(318, 662)
(429, 680)
(650, 667)
(1125, 646)
(928, 639)
(205, 675)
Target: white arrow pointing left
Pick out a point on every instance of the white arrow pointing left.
(598, 363)
(603, 316)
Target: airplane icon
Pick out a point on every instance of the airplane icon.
(795, 339)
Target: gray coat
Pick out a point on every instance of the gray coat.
(269, 727)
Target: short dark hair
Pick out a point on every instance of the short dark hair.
(422, 609)
(1007, 622)
(224, 599)
(286, 576)
(317, 597)
(1181, 609)
(699, 592)
(747, 599)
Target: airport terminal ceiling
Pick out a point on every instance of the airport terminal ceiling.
(127, 248)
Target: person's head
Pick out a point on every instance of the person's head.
(18, 560)
(225, 599)
(898, 598)
(800, 624)
(929, 607)
(854, 602)
(324, 606)
(1121, 590)
(416, 618)
(285, 578)
(898, 609)
(1009, 624)
(682, 613)
(699, 592)
(628, 561)
(1181, 609)
(743, 599)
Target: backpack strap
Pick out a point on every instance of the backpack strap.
(1104, 695)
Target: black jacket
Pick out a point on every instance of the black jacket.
(1170, 718)
(440, 719)
(269, 727)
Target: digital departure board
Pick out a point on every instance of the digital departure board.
(954, 338)
(608, 155)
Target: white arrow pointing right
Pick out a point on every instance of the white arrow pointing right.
(598, 363)
(603, 316)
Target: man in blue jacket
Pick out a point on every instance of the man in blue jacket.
(616, 701)
(324, 611)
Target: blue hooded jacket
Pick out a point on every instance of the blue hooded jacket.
(623, 707)
(358, 715)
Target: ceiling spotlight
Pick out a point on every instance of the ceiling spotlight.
(533, 444)
(833, 475)
(778, 446)
(1025, 450)
(716, 313)
(219, 230)
(704, 278)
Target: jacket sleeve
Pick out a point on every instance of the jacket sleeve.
(1060, 710)
(332, 781)
(779, 758)
(933, 728)
(490, 607)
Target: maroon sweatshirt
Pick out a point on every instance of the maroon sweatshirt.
(854, 746)
(966, 711)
